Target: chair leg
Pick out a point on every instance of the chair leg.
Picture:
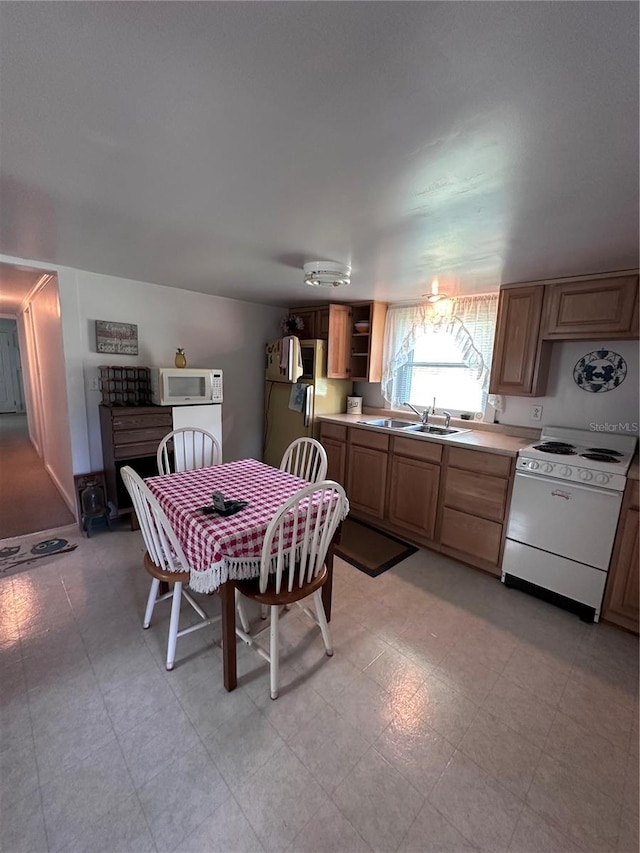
(322, 621)
(274, 651)
(264, 611)
(173, 624)
(242, 613)
(151, 602)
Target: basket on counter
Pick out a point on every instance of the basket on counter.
(125, 386)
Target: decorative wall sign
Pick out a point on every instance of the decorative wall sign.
(118, 338)
(600, 370)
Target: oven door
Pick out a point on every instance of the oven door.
(572, 520)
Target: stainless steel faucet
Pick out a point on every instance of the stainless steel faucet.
(447, 418)
(424, 415)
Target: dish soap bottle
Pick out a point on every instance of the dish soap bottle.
(180, 360)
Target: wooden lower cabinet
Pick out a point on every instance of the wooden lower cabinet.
(333, 438)
(367, 480)
(469, 534)
(623, 585)
(413, 495)
(478, 494)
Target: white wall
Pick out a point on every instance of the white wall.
(47, 357)
(214, 332)
(565, 404)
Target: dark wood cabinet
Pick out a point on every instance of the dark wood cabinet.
(621, 602)
(130, 436)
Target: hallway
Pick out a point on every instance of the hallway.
(29, 501)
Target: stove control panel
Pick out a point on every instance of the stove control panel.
(562, 471)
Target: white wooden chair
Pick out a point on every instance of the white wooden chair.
(291, 572)
(164, 560)
(305, 458)
(192, 448)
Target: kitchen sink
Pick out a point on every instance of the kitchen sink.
(434, 430)
(389, 423)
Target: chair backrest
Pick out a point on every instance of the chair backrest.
(159, 537)
(305, 458)
(298, 536)
(192, 448)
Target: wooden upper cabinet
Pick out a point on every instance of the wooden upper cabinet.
(308, 316)
(322, 323)
(338, 366)
(592, 308)
(520, 362)
(366, 346)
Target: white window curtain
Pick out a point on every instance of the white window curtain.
(471, 322)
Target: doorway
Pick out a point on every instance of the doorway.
(30, 449)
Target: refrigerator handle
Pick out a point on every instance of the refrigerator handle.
(308, 395)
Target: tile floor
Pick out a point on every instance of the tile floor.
(455, 715)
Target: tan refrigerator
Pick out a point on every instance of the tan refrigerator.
(296, 393)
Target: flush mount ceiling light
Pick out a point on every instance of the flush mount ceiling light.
(435, 295)
(327, 274)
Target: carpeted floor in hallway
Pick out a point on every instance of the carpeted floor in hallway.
(29, 501)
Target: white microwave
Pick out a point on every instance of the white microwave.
(184, 386)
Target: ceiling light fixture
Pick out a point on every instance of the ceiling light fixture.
(435, 295)
(326, 274)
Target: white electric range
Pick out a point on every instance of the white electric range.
(564, 512)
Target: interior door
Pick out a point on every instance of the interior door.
(8, 402)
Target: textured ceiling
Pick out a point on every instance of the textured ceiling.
(218, 146)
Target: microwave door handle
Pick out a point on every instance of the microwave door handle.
(308, 396)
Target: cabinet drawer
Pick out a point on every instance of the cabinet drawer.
(417, 449)
(480, 461)
(139, 436)
(131, 451)
(338, 432)
(478, 494)
(471, 535)
(366, 438)
(142, 421)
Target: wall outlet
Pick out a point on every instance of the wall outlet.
(536, 413)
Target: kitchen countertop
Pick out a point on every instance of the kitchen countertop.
(478, 439)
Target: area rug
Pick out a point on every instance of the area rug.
(370, 550)
(22, 553)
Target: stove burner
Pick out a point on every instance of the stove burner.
(559, 447)
(599, 457)
(604, 450)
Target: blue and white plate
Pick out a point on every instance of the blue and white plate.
(600, 370)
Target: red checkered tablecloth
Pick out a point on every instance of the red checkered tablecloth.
(219, 548)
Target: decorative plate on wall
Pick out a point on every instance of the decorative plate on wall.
(600, 370)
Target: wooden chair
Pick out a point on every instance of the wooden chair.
(192, 448)
(305, 458)
(293, 563)
(164, 560)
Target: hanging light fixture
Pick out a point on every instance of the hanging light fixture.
(435, 295)
(327, 274)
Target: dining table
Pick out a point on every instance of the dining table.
(223, 549)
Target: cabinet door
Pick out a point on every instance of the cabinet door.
(308, 316)
(339, 339)
(468, 534)
(322, 323)
(477, 494)
(336, 458)
(623, 584)
(367, 479)
(520, 361)
(583, 310)
(413, 495)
